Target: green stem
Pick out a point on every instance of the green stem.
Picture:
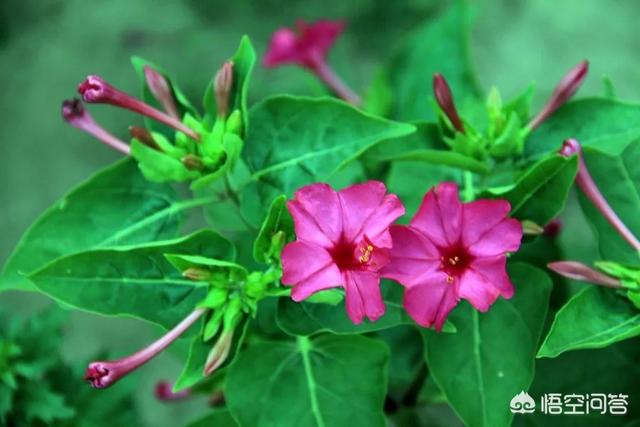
(469, 192)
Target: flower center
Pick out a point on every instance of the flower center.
(453, 261)
(350, 256)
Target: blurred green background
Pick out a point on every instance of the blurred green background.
(48, 46)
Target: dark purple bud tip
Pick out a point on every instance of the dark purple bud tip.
(98, 375)
(569, 148)
(164, 392)
(553, 228)
(444, 98)
(72, 109)
(94, 89)
(222, 88)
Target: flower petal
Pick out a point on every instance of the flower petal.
(363, 297)
(367, 211)
(309, 269)
(480, 216)
(484, 281)
(317, 214)
(412, 256)
(430, 302)
(440, 214)
(503, 237)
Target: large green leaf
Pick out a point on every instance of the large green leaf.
(117, 206)
(220, 417)
(438, 46)
(541, 192)
(491, 357)
(323, 382)
(134, 281)
(295, 141)
(306, 318)
(593, 318)
(611, 370)
(618, 178)
(602, 123)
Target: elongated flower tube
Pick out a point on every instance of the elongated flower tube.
(77, 116)
(577, 270)
(562, 93)
(159, 87)
(444, 98)
(104, 374)
(590, 189)
(308, 48)
(95, 90)
(343, 240)
(453, 250)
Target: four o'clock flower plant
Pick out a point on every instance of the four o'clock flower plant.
(285, 272)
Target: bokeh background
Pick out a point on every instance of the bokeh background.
(48, 46)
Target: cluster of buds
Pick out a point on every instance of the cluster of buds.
(197, 149)
(507, 130)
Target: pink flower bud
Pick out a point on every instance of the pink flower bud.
(579, 271)
(445, 101)
(562, 93)
(585, 182)
(159, 87)
(75, 114)
(219, 353)
(222, 88)
(94, 89)
(144, 136)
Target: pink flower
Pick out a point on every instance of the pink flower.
(308, 47)
(342, 240)
(450, 251)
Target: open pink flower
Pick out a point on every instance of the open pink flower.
(342, 240)
(307, 47)
(450, 251)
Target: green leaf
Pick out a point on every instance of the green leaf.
(243, 62)
(491, 357)
(219, 417)
(134, 281)
(601, 123)
(117, 206)
(593, 318)
(323, 382)
(576, 372)
(438, 46)
(306, 318)
(295, 141)
(278, 220)
(618, 178)
(541, 192)
(443, 157)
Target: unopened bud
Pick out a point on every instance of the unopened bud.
(159, 87)
(144, 136)
(192, 162)
(562, 93)
(445, 100)
(219, 353)
(223, 85)
(197, 274)
(531, 228)
(579, 271)
(164, 392)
